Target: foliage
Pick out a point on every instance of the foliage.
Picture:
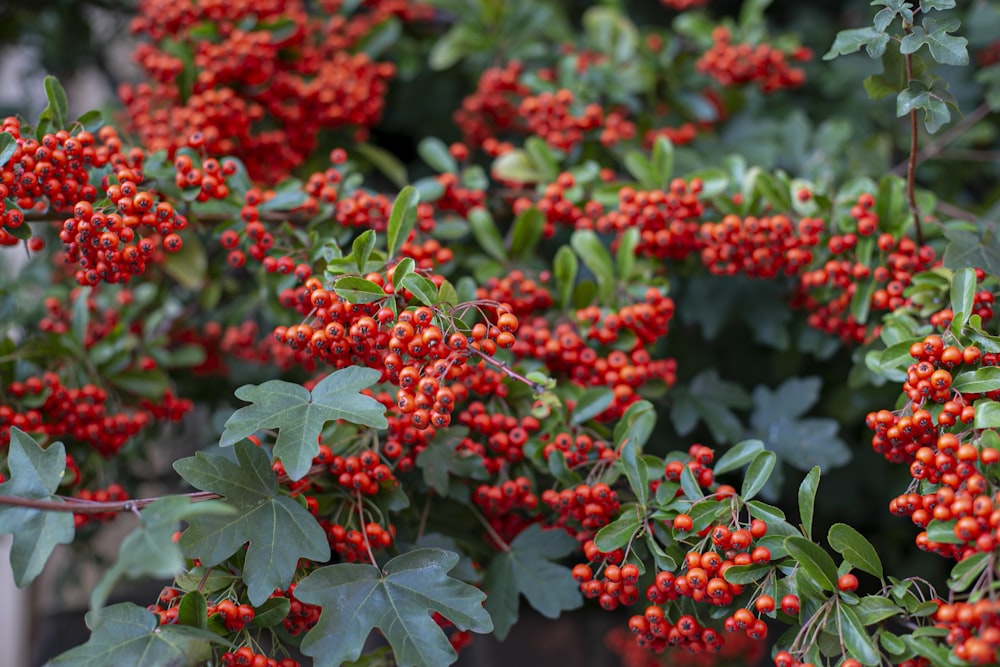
(475, 372)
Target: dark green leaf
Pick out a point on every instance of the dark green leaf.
(963, 294)
(461, 40)
(918, 96)
(850, 41)
(876, 608)
(487, 235)
(58, 104)
(593, 402)
(738, 456)
(747, 574)
(362, 248)
(127, 634)
(356, 598)
(402, 219)
(945, 49)
(814, 561)
(193, 610)
(641, 169)
(34, 473)
(440, 460)
(280, 531)
(967, 570)
(625, 254)
(856, 638)
(526, 232)
(273, 611)
(422, 288)
(8, 146)
(384, 161)
(565, 266)
(663, 161)
(300, 415)
(802, 443)
(358, 290)
(527, 569)
(855, 549)
(969, 249)
(758, 473)
(619, 532)
(807, 499)
(978, 381)
(288, 195)
(435, 153)
(150, 550)
(595, 256)
(635, 470)
(942, 532)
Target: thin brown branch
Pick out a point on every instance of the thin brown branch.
(935, 147)
(507, 370)
(911, 163)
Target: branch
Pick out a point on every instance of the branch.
(935, 147)
(911, 163)
(506, 370)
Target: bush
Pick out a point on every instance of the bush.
(478, 368)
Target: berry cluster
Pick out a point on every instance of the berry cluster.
(667, 220)
(301, 615)
(762, 247)
(737, 64)
(584, 509)
(245, 657)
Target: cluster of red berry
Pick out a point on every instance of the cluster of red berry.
(737, 64)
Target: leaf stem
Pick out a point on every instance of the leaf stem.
(489, 529)
(911, 163)
(507, 370)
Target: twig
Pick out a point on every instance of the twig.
(911, 163)
(946, 139)
(956, 211)
(77, 506)
(502, 543)
(506, 370)
(364, 533)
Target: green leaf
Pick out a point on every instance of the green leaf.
(273, 611)
(193, 610)
(526, 232)
(279, 529)
(461, 40)
(807, 499)
(802, 443)
(918, 96)
(758, 473)
(288, 195)
(35, 473)
(127, 634)
(565, 267)
(942, 532)
(625, 254)
(435, 153)
(611, 33)
(146, 384)
(966, 571)
(618, 533)
(641, 169)
(593, 402)
(384, 161)
(690, 486)
(966, 248)
(595, 256)
(814, 561)
(90, 121)
(402, 219)
(635, 470)
(856, 638)
(362, 248)
(945, 49)
(663, 161)
(855, 549)
(358, 290)
(8, 146)
(150, 550)
(422, 288)
(850, 41)
(978, 381)
(747, 574)
(738, 456)
(486, 233)
(516, 166)
(439, 460)
(987, 414)
(542, 157)
(875, 608)
(527, 569)
(963, 294)
(397, 600)
(300, 415)
(58, 103)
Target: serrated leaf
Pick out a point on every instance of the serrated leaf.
(300, 415)
(807, 499)
(738, 456)
(487, 235)
(527, 569)
(855, 549)
(356, 598)
(127, 634)
(758, 474)
(279, 530)
(402, 219)
(617, 533)
(358, 290)
(915, 97)
(966, 248)
(150, 550)
(802, 443)
(814, 561)
(34, 473)
(595, 256)
(945, 49)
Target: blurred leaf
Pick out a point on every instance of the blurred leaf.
(435, 153)
(484, 228)
(595, 256)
